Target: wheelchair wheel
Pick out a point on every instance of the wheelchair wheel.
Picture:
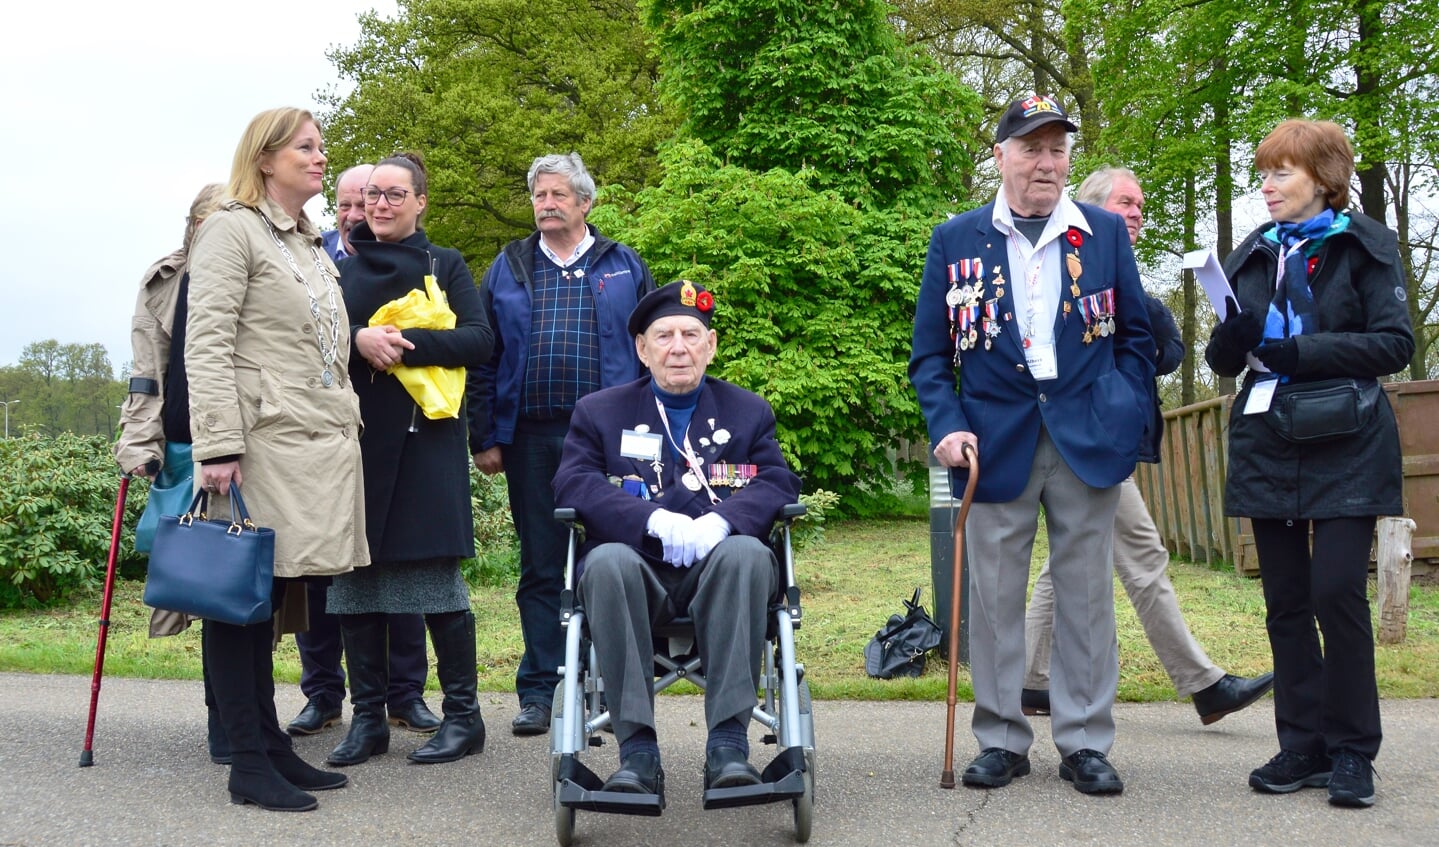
(564, 820)
(804, 804)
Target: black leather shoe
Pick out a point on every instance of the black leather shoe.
(318, 715)
(533, 719)
(1230, 694)
(1091, 773)
(639, 773)
(414, 716)
(1034, 701)
(727, 767)
(995, 768)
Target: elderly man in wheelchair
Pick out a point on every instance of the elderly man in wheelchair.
(678, 480)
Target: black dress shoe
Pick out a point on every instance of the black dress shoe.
(318, 715)
(1034, 701)
(1091, 773)
(414, 716)
(639, 773)
(533, 719)
(727, 767)
(995, 768)
(1230, 694)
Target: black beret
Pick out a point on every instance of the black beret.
(680, 297)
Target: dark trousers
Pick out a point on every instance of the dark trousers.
(1326, 698)
(321, 648)
(530, 464)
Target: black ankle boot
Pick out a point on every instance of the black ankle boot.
(230, 655)
(463, 730)
(254, 780)
(367, 657)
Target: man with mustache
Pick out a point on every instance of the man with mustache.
(1037, 300)
(559, 303)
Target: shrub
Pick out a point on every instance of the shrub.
(497, 548)
(57, 501)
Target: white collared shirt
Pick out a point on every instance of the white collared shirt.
(1043, 263)
(585, 243)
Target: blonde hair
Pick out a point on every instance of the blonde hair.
(204, 204)
(1319, 148)
(268, 131)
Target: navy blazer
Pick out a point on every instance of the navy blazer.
(730, 424)
(1095, 410)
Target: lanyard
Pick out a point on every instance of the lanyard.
(691, 460)
(1032, 271)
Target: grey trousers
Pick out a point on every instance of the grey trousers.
(999, 540)
(624, 599)
(1141, 560)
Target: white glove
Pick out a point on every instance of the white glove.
(674, 532)
(709, 530)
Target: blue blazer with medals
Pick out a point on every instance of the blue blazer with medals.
(732, 432)
(1094, 409)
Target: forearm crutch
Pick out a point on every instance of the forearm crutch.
(87, 756)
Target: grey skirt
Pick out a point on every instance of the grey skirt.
(426, 586)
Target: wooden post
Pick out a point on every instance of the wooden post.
(1395, 558)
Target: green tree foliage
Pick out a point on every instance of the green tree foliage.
(482, 87)
(817, 154)
(62, 388)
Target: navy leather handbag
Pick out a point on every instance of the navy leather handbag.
(221, 570)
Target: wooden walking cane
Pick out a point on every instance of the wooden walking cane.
(946, 777)
(87, 756)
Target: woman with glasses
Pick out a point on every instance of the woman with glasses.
(417, 480)
(272, 411)
(1321, 303)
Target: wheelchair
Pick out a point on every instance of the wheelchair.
(579, 714)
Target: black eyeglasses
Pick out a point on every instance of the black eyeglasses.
(393, 196)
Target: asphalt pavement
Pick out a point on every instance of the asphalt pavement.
(878, 767)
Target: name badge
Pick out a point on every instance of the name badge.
(1260, 396)
(1042, 364)
(644, 446)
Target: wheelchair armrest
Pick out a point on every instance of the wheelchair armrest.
(568, 515)
(794, 510)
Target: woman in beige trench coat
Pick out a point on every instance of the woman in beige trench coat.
(272, 410)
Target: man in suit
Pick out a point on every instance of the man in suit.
(321, 678)
(349, 210)
(1140, 557)
(1032, 348)
(558, 301)
(678, 478)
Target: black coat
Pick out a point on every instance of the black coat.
(1168, 355)
(1364, 332)
(417, 483)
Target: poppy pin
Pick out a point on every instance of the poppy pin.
(1074, 237)
(704, 301)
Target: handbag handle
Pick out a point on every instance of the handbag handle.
(239, 514)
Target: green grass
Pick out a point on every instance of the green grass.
(852, 582)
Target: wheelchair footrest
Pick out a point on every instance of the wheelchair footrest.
(580, 788)
(610, 802)
(783, 780)
(787, 788)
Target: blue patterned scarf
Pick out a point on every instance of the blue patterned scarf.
(1292, 312)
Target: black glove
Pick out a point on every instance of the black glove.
(1240, 332)
(1281, 357)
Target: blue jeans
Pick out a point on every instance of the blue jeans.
(530, 463)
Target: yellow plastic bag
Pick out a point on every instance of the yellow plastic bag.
(438, 391)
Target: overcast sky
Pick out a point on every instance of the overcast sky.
(114, 116)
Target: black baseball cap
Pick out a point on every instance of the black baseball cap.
(1029, 113)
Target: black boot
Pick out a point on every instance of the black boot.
(367, 657)
(216, 741)
(278, 744)
(229, 653)
(463, 730)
